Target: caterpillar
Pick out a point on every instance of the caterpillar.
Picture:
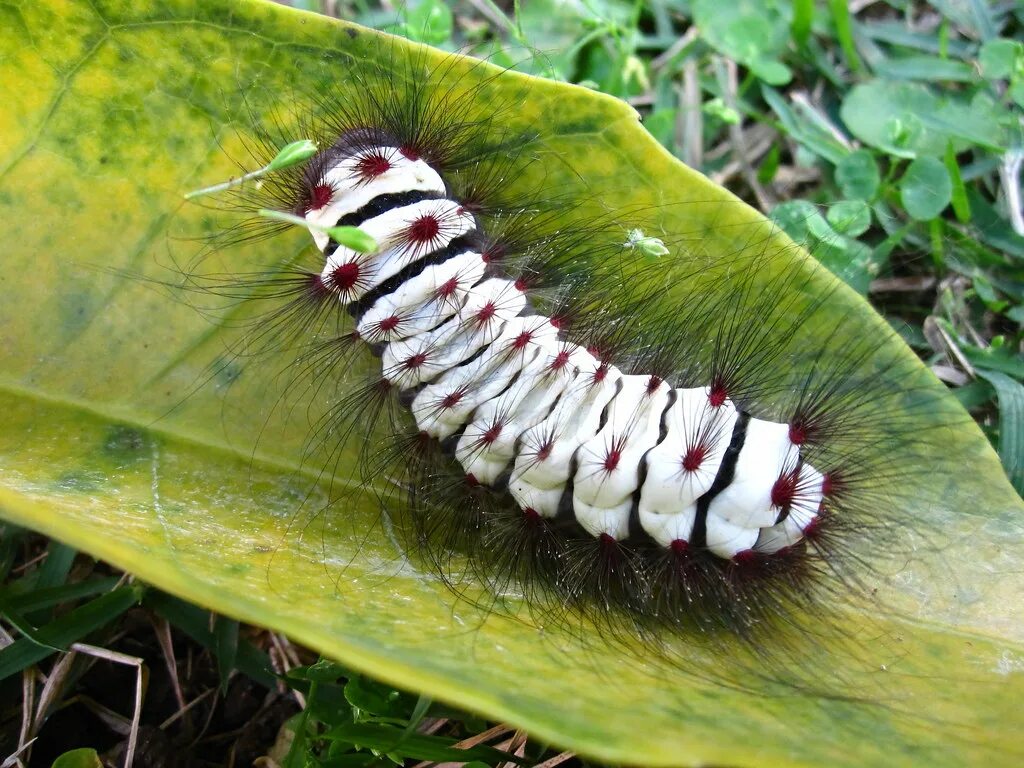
(365, 542)
(638, 438)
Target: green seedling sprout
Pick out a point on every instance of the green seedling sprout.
(350, 237)
(290, 154)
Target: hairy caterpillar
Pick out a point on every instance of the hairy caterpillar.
(106, 133)
(580, 426)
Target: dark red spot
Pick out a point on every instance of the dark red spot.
(557, 322)
(745, 557)
(532, 515)
(611, 461)
(813, 528)
(451, 399)
(522, 340)
(319, 196)
(594, 351)
(370, 166)
(521, 284)
(318, 289)
(652, 385)
(694, 458)
(601, 372)
(797, 434)
(345, 276)
(409, 153)
(416, 360)
(389, 324)
(560, 361)
(545, 450)
(493, 252)
(424, 229)
(784, 490)
(608, 540)
(717, 396)
(829, 484)
(447, 289)
(679, 547)
(486, 312)
(491, 434)
(471, 481)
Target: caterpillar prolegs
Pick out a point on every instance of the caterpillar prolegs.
(647, 437)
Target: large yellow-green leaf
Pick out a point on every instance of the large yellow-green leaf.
(113, 440)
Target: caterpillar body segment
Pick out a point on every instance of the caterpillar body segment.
(626, 455)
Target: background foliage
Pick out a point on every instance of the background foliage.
(888, 135)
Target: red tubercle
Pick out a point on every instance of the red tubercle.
(522, 285)
(717, 395)
(652, 384)
(694, 457)
(344, 276)
(784, 489)
(612, 459)
(522, 340)
(409, 152)
(424, 229)
(745, 557)
(319, 196)
(447, 288)
(607, 540)
(372, 165)
(680, 547)
(833, 483)
(813, 528)
(600, 373)
(491, 434)
(471, 481)
(532, 515)
(558, 322)
(451, 399)
(415, 361)
(561, 360)
(318, 289)
(486, 312)
(492, 253)
(797, 433)
(389, 324)
(545, 450)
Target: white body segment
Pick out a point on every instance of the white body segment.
(477, 324)
(349, 195)
(394, 252)
(683, 466)
(767, 453)
(804, 509)
(419, 304)
(476, 382)
(515, 393)
(608, 464)
(544, 464)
